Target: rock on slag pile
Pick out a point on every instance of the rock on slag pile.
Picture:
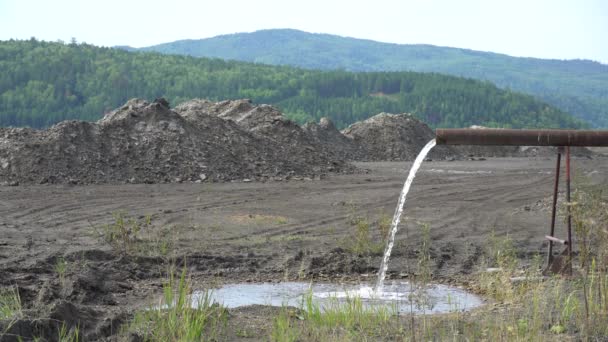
(292, 144)
(394, 137)
(326, 134)
(144, 142)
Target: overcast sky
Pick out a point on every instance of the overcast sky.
(562, 29)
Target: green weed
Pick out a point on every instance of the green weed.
(10, 303)
(10, 308)
(60, 268)
(283, 329)
(502, 258)
(122, 234)
(336, 320)
(384, 225)
(136, 236)
(423, 274)
(362, 241)
(174, 319)
(68, 335)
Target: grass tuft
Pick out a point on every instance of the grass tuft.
(174, 319)
(60, 268)
(334, 321)
(363, 242)
(68, 335)
(10, 303)
(283, 329)
(123, 233)
(131, 235)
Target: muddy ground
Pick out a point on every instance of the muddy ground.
(50, 245)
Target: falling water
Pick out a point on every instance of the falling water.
(398, 212)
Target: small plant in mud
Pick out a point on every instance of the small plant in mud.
(175, 318)
(303, 266)
(123, 233)
(10, 309)
(384, 225)
(60, 268)
(368, 238)
(68, 335)
(362, 241)
(281, 220)
(420, 297)
(498, 269)
(283, 327)
(10, 303)
(160, 243)
(245, 333)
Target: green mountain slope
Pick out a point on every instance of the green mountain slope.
(42, 83)
(579, 87)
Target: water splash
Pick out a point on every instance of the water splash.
(398, 212)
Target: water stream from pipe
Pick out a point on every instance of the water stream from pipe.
(397, 217)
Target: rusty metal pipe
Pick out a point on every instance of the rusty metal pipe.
(521, 137)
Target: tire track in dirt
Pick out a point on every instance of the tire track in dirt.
(451, 202)
(447, 193)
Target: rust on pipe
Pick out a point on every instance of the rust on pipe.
(521, 137)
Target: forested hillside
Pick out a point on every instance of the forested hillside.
(42, 83)
(576, 86)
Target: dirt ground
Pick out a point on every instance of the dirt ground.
(256, 232)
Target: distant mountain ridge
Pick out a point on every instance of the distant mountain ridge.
(576, 86)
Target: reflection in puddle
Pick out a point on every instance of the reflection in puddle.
(460, 172)
(437, 298)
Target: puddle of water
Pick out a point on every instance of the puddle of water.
(441, 298)
(460, 172)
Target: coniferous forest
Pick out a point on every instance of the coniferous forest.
(42, 83)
